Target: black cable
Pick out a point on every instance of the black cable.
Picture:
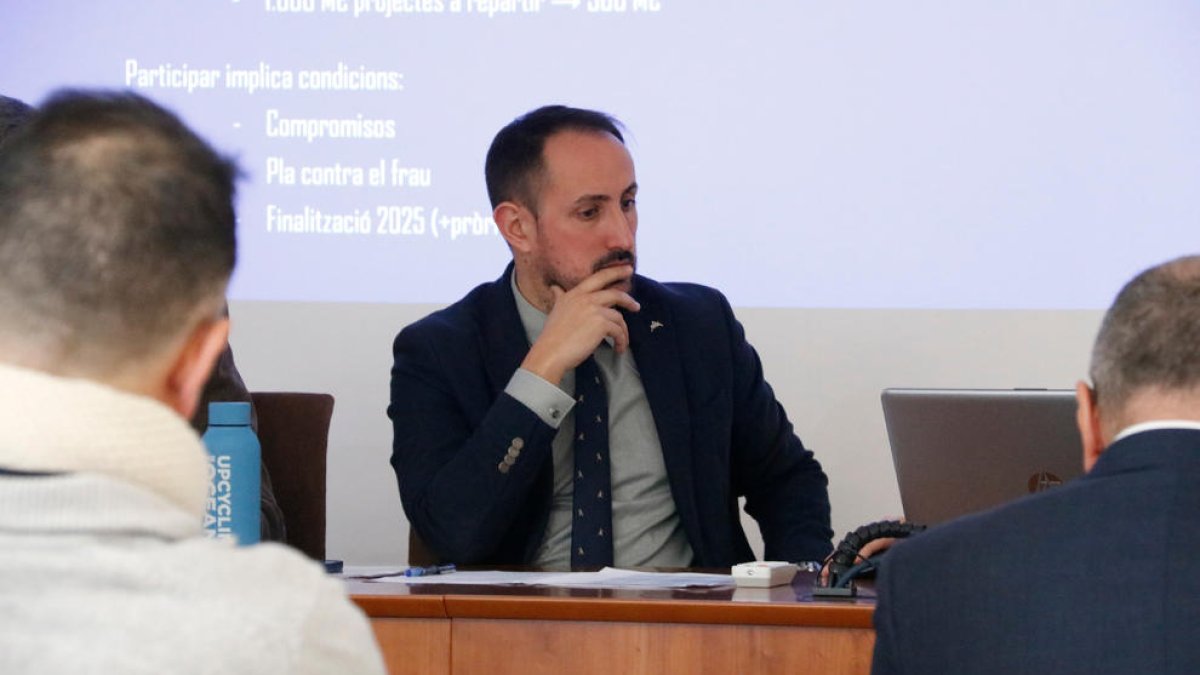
(841, 563)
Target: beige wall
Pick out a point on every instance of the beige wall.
(827, 368)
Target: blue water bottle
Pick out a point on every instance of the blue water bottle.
(235, 474)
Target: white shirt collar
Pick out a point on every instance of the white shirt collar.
(1157, 425)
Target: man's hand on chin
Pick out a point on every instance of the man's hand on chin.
(579, 320)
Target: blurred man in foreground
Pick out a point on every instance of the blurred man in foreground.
(13, 115)
(1098, 576)
(116, 244)
(224, 384)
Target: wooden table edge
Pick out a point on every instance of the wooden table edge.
(814, 614)
(401, 606)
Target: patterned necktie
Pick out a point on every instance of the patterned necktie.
(591, 526)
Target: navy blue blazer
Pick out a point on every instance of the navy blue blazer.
(1097, 576)
(723, 434)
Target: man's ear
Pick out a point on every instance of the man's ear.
(193, 366)
(1087, 418)
(516, 225)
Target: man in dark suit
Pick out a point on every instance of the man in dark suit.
(1096, 576)
(572, 413)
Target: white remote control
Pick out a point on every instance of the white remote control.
(763, 574)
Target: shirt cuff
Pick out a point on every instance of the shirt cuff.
(547, 401)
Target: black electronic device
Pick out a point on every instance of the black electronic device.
(843, 566)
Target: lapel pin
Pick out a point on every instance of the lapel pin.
(655, 325)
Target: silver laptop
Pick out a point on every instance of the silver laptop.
(958, 451)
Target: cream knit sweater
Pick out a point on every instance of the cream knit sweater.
(49, 423)
(104, 566)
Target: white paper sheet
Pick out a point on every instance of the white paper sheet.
(609, 577)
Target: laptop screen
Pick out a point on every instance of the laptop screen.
(958, 451)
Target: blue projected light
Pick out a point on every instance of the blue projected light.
(793, 154)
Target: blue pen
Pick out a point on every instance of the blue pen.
(429, 571)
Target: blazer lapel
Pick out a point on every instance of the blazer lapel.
(506, 345)
(502, 333)
(654, 341)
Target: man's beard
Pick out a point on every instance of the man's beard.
(621, 256)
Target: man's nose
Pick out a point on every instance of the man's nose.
(621, 230)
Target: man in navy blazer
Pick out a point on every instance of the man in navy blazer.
(1096, 576)
(483, 395)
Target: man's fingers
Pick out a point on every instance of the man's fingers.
(604, 278)
(556, 294)
(876, 546)
(582, 317)
(616, 298)
(617, 330)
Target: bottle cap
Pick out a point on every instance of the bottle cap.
(229, 413)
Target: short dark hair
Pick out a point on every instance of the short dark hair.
(117, 228)
(514, 166)
(1150, 337)
(14, 114)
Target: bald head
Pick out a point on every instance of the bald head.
(1146, 360)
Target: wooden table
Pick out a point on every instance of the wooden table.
(436, 629)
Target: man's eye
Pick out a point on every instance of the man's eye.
(588, 214)
(628, 203)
